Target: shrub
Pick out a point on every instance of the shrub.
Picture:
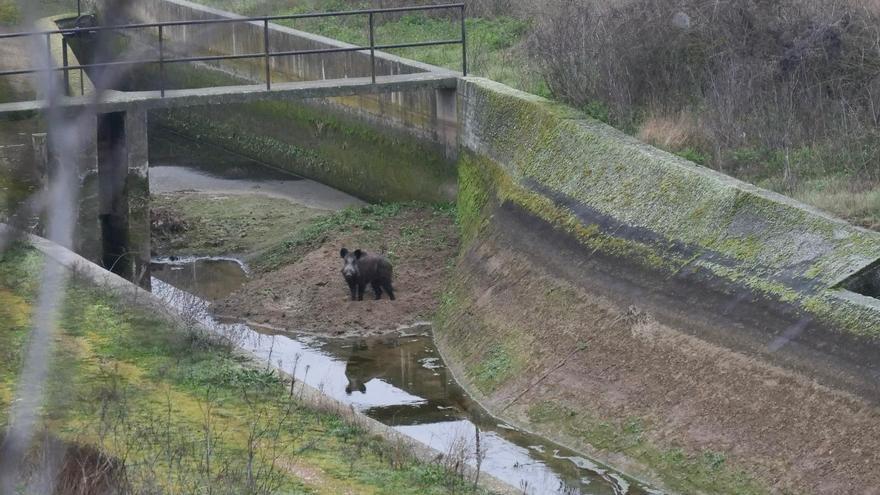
(780, 76)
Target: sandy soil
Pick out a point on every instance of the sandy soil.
(311, 295)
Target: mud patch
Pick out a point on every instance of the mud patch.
(311, 296)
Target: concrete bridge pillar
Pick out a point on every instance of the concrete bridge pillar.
(124, 194)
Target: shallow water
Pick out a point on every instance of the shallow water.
(210, 278)
(403, 382)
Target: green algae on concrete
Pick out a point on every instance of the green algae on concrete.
(658, 209)
(366, 164)
(317, 141)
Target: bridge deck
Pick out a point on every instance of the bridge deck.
(114, 101)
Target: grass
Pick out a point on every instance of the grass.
(11, 15)
(229, 224)
(185, 413)
(494, 44)
(685, 472)
(494, 370)
(845, 198)
(368, 220)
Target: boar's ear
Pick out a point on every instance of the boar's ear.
(343, 252)
(358, 253)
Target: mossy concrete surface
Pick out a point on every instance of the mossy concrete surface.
(558, 328)
(646, 311)
(624, 197)
(327, 146)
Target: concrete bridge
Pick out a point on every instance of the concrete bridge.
(116, 154)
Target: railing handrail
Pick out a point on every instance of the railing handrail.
(230, 20)
(266, 54)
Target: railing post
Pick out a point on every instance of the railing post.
(161, 60)
(372, 48)
(464, 61)
(79, 11)
(67, 90)
(266, 44)
(49, 61)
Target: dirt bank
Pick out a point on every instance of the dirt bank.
(610, 380)
(293, 250)
(308, 294)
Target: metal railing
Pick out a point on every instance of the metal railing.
(267, 54)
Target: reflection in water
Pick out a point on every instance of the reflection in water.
(402, 382)
(211, 279)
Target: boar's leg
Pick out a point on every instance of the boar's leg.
(377, 288)
(361, 287)
(352, 288)
(388, 289)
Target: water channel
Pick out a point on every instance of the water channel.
(401, 381)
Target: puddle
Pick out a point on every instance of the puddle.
(209, 278)
(403, 382)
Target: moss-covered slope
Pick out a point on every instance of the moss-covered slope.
(627, 199)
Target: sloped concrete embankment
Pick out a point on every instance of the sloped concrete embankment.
(383, 147)
(660, 315)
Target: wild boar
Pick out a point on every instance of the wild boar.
(361, 268)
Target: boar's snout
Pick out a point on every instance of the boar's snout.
(350, 266)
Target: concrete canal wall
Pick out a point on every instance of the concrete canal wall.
(623, 300)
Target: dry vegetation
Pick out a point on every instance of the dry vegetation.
(785, 94)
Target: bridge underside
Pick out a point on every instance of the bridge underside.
(113, 128)
(116, 101)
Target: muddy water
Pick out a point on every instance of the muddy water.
(209, 278)
(403, 382)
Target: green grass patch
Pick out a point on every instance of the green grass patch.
(493, 43)
(9, 13)
(683, 471)
(494, 369)
(367, 218)
(217, 224)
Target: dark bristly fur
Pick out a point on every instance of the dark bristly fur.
(362, 268)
